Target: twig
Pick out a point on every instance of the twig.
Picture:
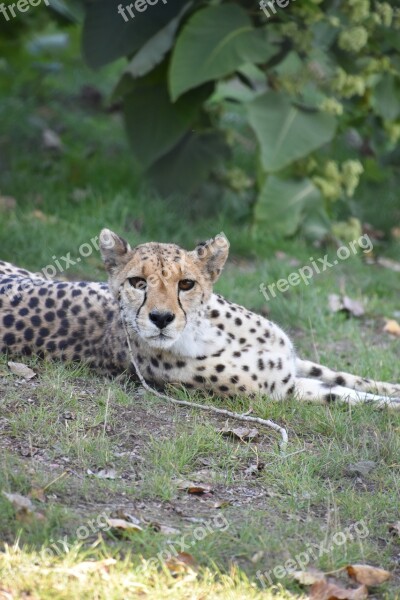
(206, 407)
(64, 474)
(106, 414)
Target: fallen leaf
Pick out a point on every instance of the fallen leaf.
(368, 575)
(103, 474)
(21, 370)
(345, 304)
(205, 475)
(309, 577)
(193, 488)
(90, 566)
(362, 467)
(123, 524)
(122, 514)
(244, 434)
(394, 528)
(257, 556)
(222, 504)
(165, 529)
(7, 203)
(322, 590)
(24, 509)
(19, 502)
(181, 563)
(37, 494)
(392, 327)
(51, 140)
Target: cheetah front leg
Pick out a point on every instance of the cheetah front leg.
(311, 390)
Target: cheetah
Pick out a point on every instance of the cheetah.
(180, 331)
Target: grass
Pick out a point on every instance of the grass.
(68, 422)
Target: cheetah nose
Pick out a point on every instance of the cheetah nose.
(161, 319)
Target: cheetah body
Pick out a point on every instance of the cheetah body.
(210, 343)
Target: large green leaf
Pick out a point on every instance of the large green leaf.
(155, 125)
(285, 132)
(153, 51)
(282, 204)
(184, 168)
(107, 36)
(215, 42)
(386, 97)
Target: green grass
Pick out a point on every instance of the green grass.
(67, 421)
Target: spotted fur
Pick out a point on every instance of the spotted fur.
(180, 331)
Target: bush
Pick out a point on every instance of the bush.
(315, 82)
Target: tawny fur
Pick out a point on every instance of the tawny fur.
(208, 342)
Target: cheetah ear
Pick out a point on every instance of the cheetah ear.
(212, 255)
(114, 250)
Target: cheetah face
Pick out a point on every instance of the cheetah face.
(161, 288)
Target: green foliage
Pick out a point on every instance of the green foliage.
(317, 84)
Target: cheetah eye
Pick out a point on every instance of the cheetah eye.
(138, 283)
(186, 284)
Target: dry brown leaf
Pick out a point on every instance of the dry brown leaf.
(244, 434)
(368, 575)
(392, 327)
(193, 488)
(21, 370)
(309, 577)
(345, 304)
(37, 494)
(123, 524)
(394, 528)
(323, 590)
(181, 563)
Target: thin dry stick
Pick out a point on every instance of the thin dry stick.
(219, 411)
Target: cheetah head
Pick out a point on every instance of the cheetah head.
(160, 287)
